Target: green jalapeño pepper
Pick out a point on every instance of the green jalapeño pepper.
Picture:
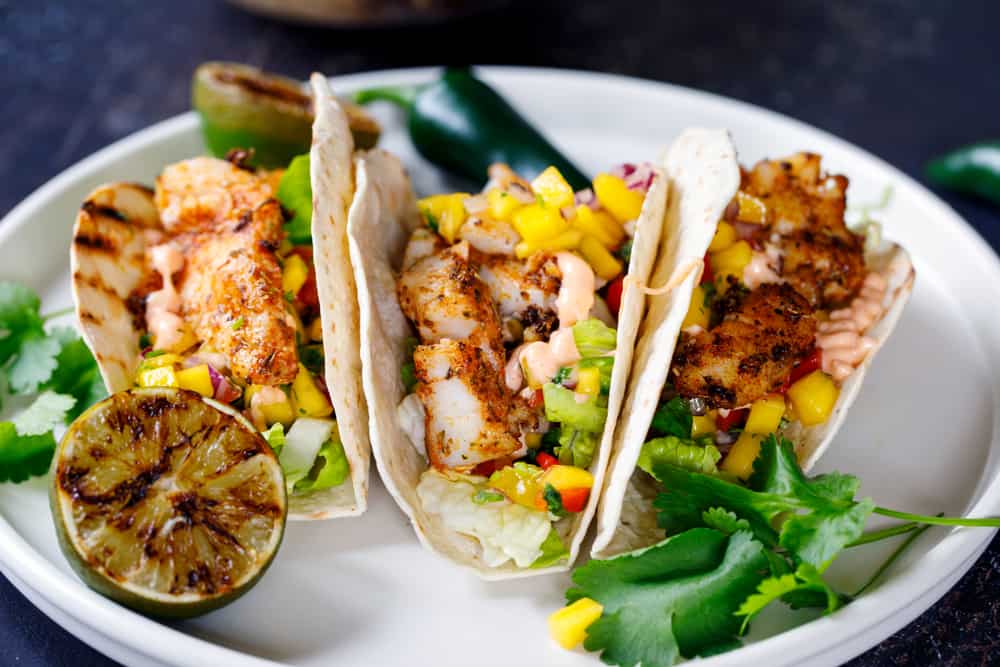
(463, 125)
(973, 169)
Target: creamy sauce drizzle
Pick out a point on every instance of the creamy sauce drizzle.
(842, 338)
(542, 360)
(163, 306)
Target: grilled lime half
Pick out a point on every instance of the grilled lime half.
(167, 502)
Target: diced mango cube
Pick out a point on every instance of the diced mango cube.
(553, 188)
(564, 477)
(604, 264)
(588, 381)
(164, 376)
(739, 460)
(533, 440)
(568, 240)
(615, 196)
(725, 236)
(272, 413)
(568, 626)
(813, 397)
(698, 312)
(160, 360)
(751, 209)
(731, 262)
(501, 204)
(765, 415)
(315, 329)
(197, 378)
(293, 274)
(445, 213)
(309, 400)
(703, 425)
(521, 486)
(536, 223)
(600, 225)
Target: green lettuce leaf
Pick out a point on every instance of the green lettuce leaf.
(295, 195)
(675, 599)
(553, 551)
(331, 469)
(561, 406)
(577, 447)
(603, 364)
(681, 453)
(594, 338)
(275, 437)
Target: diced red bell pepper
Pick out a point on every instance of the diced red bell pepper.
(732, 420)
(545, 460)
(574, 500)
(487, 468)
(613, 296)
(811, 363)
(537, 399)
(707, 276)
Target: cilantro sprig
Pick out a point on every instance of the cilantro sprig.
(731, 551)
(55, 365)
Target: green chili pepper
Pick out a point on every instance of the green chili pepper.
(463, 125)
(973, 169)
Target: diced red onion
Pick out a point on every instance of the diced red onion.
(586, 197)
(623, 171)
(641, 178)
(732, 211)
(225, 391)
(745, 230)
(724, 438)
(697, 406)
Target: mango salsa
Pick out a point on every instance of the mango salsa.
(588, 381)
(536, 223)
(751, 209)
(698, 313)
(501, 204)
(446, 212)
(600, 225)
(293, 274)
(725, 236)
(553, 188)
(704, 425)
(309, 400)
(739, 460)
(197, 378)
(563, 477)
(731, 262)
(568, 240)
(765, 415)
(615, 196)
(813, 397)
(604, 264)
(164, 376)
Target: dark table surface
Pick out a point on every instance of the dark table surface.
(905, 80)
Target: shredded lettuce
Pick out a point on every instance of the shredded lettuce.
(275, 437)
(329, 470)
(303, 443)
(561, 406)
(685, 454)
(594, 338)
(577, 447)
(553, 551)
(505, 530)
(295, 194)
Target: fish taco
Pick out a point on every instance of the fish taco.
(235, 282)
(770, 312)
(497, 332)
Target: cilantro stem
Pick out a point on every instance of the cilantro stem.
(58, 313)
(893, 557)
(986, 522)
(885, 533)
(402, 96)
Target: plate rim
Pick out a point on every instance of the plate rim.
(890, 598)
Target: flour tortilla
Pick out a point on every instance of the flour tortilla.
(382, 218)
(704, 177)
(107, 260)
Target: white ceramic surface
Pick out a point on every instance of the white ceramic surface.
(924, 435)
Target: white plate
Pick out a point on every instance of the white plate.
(923, 435)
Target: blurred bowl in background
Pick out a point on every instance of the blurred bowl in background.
(347, 13)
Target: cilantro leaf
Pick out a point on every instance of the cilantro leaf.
(19, 317)
(34, 364)
(76, 373)
(24, 456)
(673, 418)
(295, 195)
(803, 588)
(724, 520)
(553, 500)
(820, 515)
(675, 599)
(47, 411)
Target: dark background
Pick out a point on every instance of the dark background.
(904, 79)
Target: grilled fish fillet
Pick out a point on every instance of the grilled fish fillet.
(228, 225)
(467, 405)
(750, 352)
